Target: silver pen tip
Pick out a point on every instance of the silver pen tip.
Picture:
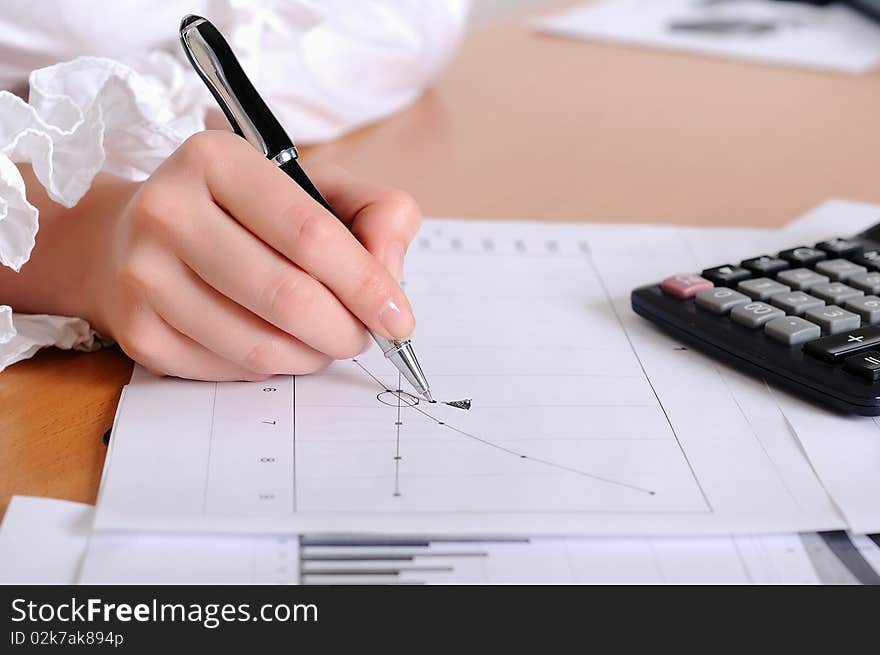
(428, 397)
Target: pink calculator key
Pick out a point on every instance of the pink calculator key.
(685, 285)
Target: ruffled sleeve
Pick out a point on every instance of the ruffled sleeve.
(83, 117)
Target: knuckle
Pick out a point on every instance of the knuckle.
(202, 147)
(212, 151)
(310, 228)
(264, 356)
(405, 208)
(141, 277)
(141, 341)
(290, 291)
(132, 278)
(153, 211)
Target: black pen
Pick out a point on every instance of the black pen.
(250, 117)
(868, 8)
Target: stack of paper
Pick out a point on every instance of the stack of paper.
(833, 38)
(589, 430)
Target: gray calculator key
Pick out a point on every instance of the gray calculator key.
(835, 293)
(867, 282)
(719, 300)
(868, 307)
(839, 269)
(833, 319)
(796, 302)
(801, 278)
(761, 288)
(792, 330)
(755, 314)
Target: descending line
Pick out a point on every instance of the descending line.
(546, 462)
(632, 347)
(561, 467)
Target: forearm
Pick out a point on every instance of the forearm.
(56, 279)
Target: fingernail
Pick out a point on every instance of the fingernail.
(399, 324)
(393, 259)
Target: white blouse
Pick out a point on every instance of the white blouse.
(109, 90)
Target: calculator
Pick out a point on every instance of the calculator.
(807, 317)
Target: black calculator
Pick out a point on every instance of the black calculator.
(807, 318)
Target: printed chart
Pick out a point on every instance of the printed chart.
(584, 419)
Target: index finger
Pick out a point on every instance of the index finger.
(274, 208)
(384, 219)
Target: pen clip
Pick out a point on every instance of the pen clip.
(216, 64)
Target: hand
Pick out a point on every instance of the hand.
(220, 267)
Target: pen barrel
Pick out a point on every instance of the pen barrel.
(213, 59)
(297, 174)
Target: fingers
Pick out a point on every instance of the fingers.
(233, 333)
(165, 351)
(383, 219)
(282, 215)
(270, 286)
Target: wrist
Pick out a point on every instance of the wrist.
(100, 215)
(66, 272)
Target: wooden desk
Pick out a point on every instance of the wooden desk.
(529, 126)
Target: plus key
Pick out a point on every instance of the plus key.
(840, 346)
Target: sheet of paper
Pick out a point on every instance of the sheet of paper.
(142, 558)
(586, 419)
(42, 541)
(164, 559)
(833, 38)
(845, 453)
(188, 558)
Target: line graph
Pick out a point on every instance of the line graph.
(399, 399)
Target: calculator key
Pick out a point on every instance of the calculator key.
(839, 247)
(868, 307)
(792, 330)
(801, 278)
(833, 319)
(835, 293)
(867, 282)
(795, 302)
(836, 348)
(870, 259)
(839, 269)
(727, 275)
(755, 314)
(865, 364)
(802, 255)
(761, 288)
(765, 265)
(719, 300)
(685, 285)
